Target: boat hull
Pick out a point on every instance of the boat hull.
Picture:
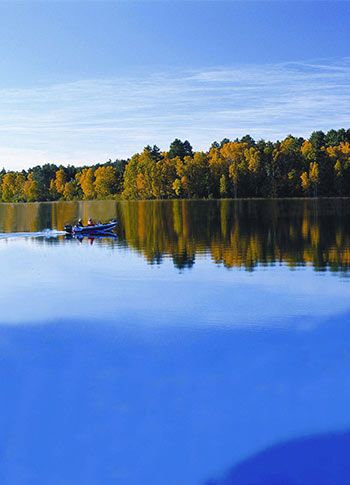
(98, 228)
(94, 235)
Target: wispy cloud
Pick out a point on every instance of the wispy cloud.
(96, 119)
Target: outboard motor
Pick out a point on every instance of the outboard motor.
(68, 228)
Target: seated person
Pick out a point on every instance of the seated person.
(91, 222)
(80, 223)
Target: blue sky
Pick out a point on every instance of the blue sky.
(82, 82)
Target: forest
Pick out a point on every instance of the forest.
(242, 168)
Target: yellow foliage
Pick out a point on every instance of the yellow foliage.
(32, 190)
(305, 181)
(86, 179)
(60, 181)
(105, 181)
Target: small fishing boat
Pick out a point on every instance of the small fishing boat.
(96, 229)
(92, 236)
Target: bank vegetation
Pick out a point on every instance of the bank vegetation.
(293, 167)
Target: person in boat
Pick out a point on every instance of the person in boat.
(91, 222)
(80, 223)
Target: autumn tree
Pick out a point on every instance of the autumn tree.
(105, 182)
(305, 182)
(255, 169)
(314, 177)
(233, 154)
(12, 187)
(130, 178)
(85, 180)
(138, 176)
(218, 171)
(340, 157)
(193, 174)
(177, 187)
(223, 186)
(60, 181)
(164, 175)
(70, 190)
(310, 180)
(319, 166)
(32, 189)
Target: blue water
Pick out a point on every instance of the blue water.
(117, 371)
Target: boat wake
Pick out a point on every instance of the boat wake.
(46, 233)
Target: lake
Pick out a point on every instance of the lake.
(206, 344)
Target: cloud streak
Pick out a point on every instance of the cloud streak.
(92, 120)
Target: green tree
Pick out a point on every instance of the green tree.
(180, 149)
(154, 152)
(317, 139)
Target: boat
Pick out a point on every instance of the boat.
(91, 236)
(86, 230)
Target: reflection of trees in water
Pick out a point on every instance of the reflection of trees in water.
(183, 260)
(22, 217)
(241, 233)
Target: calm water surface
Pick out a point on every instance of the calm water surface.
(208, 343)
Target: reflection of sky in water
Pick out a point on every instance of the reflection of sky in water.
(148, 375)
(78, 281)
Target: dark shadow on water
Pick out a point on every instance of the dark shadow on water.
(315, 460)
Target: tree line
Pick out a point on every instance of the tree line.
(293, 167)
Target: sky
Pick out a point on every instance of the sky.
(86, 81)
